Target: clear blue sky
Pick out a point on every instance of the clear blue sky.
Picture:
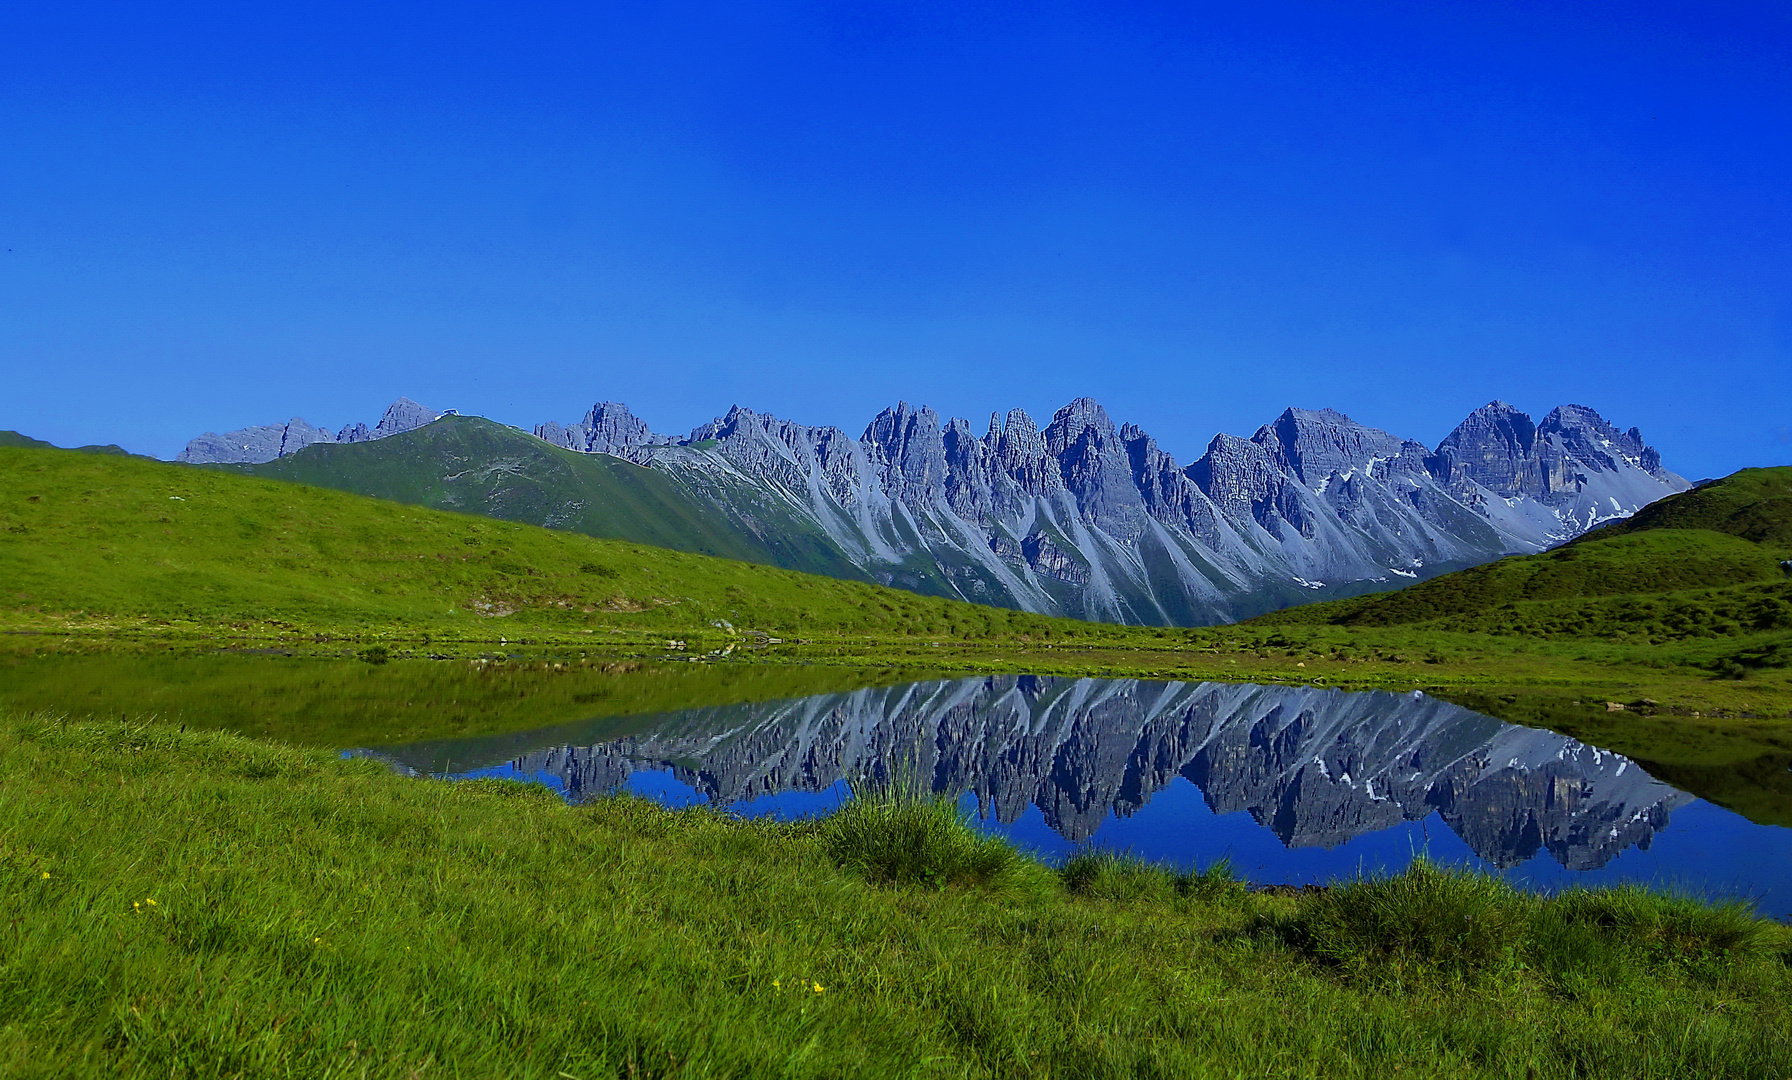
(1198, 214)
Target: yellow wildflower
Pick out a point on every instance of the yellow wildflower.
(817, 987)
(151, 903)
(776, 985)
(46, 875)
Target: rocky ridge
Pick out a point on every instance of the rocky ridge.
(267, 442)
(1092, 519)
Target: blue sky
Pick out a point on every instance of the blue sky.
(1197, 214)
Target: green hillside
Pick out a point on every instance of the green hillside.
(1702, 563)
(478, 466)
(102, 541)
(1755, 504)
(16, 439)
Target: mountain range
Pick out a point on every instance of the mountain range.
(1316, 767)
(1082, 517)
(267, 442)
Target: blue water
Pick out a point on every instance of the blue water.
(1323, 770)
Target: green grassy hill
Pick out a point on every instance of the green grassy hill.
(15, 439)
(103, 541)
(1755, 504)
(1698, 564)
(479, 466)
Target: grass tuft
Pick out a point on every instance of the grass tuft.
(1660, 927)
(1122, 877)
(899, 834)
(1110, 875)
(1427, 921)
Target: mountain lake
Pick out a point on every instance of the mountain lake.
(1293, 785)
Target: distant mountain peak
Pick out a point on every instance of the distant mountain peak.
(266, 442)
(1093, 519)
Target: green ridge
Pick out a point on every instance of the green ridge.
(478, 466)
(104, 541)
(1704, 562)
(16, 439)
(1755, 504)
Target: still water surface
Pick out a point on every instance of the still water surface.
(1293, 784)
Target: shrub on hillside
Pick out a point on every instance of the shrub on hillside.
(1110, 875)
(897, 834)
(1425, 922)
(1657, 927)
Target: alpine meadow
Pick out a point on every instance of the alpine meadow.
(1095, 542)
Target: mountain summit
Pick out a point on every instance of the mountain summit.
(266, 442)
(1089, 518)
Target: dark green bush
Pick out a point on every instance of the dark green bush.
(899, 835)
(1659, 926)
(1425, 922)
(1110, 875)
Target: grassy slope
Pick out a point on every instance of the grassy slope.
(474, 465)
(201, 905)
(1703, 558)
(108, 542)
(15, 439)
(1755, 504)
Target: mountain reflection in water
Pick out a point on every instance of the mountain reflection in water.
(1316, 767)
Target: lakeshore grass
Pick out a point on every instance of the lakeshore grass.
(896, 833)
(200, 904)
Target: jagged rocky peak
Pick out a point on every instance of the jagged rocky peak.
(908, 448)
(1020, 452)
(400, 416)
(252, 445)
(404, 415)
(1586, 436)
(1494, 447)
(1082, 420)
(607, 428)
(1317, 444)
(1499, 448)
(266, 442)
(1236, 473)
(1097, 468)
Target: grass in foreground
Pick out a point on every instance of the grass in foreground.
(203, 905)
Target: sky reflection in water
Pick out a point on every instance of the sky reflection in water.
(1293, 784)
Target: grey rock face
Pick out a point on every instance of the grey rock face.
(608, 428)
(254, 445)
(400, 416)
(1495, 448)
(1091, 519)
(1316, 767)
(908, 450)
